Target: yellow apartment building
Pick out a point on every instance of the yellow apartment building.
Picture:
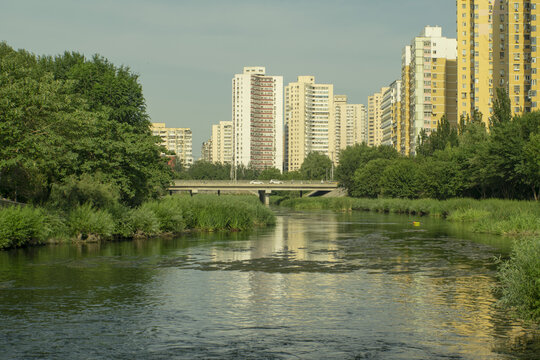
(497, 48)
(431, 83)
(374, 121)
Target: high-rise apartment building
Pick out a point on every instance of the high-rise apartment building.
(497, 48)
(309, 121)
(405, 121)
(374, 112)
(206, 151)
(350, 123)
(432, 83)
(179, 140)
(257, 119)
(391, 116)
(222, 142)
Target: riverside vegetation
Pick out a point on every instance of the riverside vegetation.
(76, 146)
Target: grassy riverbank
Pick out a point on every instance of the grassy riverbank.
(503, 217)
(22, 226)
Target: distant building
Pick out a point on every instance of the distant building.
(257, 119)
(497, 48)
(405, 121)
(222, 142)
(391, 116)
(206, 151)
(374, 122)
(431, 82)
(350, 123)
(309, 121)
(178, 140)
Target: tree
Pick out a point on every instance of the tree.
(269, 174)
(357, 156)
(444, 136)
(316, 166)
(400, 179)
(502, 111)
(367, 179)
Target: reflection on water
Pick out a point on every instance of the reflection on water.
(318, 285)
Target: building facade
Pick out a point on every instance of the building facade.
(350, 123)
(178, 140)
(206, 151)
(391, 116)
(432, 82)
(497, 48)
(257, 119)
(222, 142)
(405, 121)
(309, 121)
(374, 122)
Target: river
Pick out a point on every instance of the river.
(318, 285)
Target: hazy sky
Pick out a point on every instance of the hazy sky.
(186, 52)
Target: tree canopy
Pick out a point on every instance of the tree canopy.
(67, 116)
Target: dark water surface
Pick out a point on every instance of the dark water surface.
(318, 285)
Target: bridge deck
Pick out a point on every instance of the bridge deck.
(294, 185)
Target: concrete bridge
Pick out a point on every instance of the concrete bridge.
(263, 187)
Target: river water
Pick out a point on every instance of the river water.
(318, 285)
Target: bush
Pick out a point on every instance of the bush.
(87, 189)
(520, 279)
(85, 221)
(20, 226)
(143, 221)
(168, 212)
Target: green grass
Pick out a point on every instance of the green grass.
(504, 217)
(520, 280)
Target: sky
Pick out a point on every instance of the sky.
(187, 52)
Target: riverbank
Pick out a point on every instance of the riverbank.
(494, 216)
(24, 226)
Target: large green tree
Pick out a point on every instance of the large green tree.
(51, 128)
(316, 166)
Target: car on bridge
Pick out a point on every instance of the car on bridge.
(256, 182)
(274, 181)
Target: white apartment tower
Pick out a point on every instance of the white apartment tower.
(350, 123)
(309, 121)
(257, 119)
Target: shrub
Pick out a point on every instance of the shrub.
(85, 221)
(20, 226)
(168, 212)
(143, 221)
(520, 279)
(87, 189)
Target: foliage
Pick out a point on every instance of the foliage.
(357, 156)
(20, 226)
(316, 166)
(468, 161)
(270, 173)
(87, 222)
(68, 116)
(520, 279)
(400, 179)
(88, 189)
(367, 179)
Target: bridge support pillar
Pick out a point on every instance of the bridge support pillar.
(193, 192)
(264, 196)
